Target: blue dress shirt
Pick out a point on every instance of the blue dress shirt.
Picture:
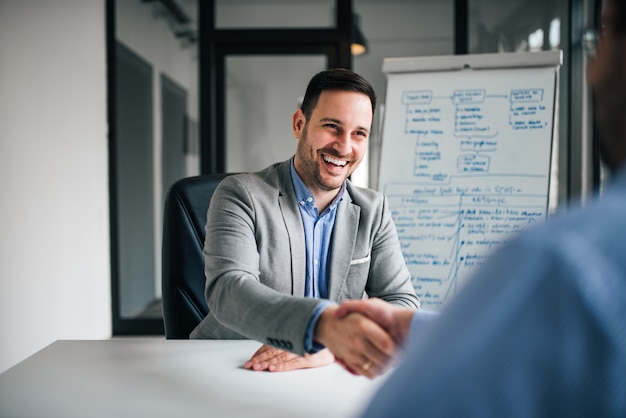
(540, 330)
(318, 229)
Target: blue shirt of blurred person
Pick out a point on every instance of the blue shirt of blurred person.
(539, 331)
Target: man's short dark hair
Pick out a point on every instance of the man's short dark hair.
(335, 79)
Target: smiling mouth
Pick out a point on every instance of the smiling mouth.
(334, 161)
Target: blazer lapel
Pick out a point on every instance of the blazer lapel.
(343, 242)
(295, 230)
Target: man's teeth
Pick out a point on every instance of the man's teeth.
(331, 160)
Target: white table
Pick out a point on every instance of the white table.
(172, 378)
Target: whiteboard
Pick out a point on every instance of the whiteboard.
(465, 159)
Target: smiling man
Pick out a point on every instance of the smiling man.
(284, 245)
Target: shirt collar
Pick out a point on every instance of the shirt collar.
(303, 194)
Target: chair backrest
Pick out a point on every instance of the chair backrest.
(183, 278)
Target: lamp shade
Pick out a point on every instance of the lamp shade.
(358, 42)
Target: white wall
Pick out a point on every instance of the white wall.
(54, 218)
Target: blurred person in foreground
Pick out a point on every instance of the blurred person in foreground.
(540, 330)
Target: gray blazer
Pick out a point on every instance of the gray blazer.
(255, 261)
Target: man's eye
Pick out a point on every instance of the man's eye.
(332, 127)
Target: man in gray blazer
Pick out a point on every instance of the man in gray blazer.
(285, 244)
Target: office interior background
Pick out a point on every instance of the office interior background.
(105, 103)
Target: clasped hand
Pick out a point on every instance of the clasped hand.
(364, 335)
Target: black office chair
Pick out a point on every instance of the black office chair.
(183, 278)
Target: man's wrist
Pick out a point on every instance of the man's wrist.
(311, 344)
(325, 320)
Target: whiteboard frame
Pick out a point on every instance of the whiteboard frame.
(474, 62)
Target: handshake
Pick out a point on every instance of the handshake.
(365, 336)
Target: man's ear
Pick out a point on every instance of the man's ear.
(298, 121)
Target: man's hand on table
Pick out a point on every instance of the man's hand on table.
(276, 360)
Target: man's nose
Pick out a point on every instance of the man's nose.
(343, 144)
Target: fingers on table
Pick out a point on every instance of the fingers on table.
(267, 356)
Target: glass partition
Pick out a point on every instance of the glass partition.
(274, 14)
(262, 93)
(155, 143)
(500, 26)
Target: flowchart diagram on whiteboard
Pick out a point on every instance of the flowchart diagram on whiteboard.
(465, 159)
